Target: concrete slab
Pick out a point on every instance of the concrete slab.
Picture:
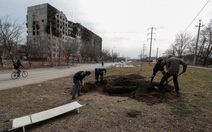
(44, 115)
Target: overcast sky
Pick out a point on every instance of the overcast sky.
(124, 24)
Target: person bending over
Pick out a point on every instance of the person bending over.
(99, 72)
(159, 66)
(77, 79)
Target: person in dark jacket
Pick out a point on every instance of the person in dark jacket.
(99, 72)
(159, 66)
(173, 67)
(77, 79)
(17, 66)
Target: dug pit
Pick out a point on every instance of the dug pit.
(133, 86)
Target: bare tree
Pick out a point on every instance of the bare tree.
(29, 51)
(200, 50)
(191, 47)
(115, 57)
(60, 50)
(206, 48)
(106, 55)
(90, 52)
(167, 52)
(70, 48)
(1, 62)
(1, 54)
(171, 51)
(181, 43)
(10, 35)
(85, 51)
(35, 49)
(94, 54)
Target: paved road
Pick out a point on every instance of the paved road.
(206, 68)
(40, 75)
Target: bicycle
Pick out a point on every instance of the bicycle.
(15, 74)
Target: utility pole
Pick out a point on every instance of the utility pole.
(112, 55)
(157, 53)
(150, 42)
(143, 50)
(195, 54)
(173, 52)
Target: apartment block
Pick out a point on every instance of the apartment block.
(47, 27)
(87, 36)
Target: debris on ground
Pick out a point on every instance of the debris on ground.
(133, 86)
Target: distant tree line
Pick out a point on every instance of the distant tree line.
(185, 44)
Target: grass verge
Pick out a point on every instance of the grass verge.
(190, 112)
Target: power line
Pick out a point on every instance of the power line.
(196, 16)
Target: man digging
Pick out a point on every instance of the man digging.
(173, 67)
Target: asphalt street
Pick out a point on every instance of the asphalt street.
(40, 75)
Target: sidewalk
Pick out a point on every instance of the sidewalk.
(41, 75)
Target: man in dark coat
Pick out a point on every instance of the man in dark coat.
(173, 67)
(77, 79)
(159, 66)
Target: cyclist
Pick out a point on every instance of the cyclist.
(17, 66)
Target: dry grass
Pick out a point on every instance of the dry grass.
(190, 112)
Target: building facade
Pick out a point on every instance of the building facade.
(47, 28)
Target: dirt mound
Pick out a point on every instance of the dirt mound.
(134, 86)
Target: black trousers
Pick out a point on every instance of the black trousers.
(175, 80)
(97, 75)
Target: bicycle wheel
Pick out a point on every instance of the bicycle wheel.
(24, 74)
(14, 75)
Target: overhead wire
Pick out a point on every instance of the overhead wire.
(196, 16)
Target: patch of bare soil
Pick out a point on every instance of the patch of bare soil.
(133, 86)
